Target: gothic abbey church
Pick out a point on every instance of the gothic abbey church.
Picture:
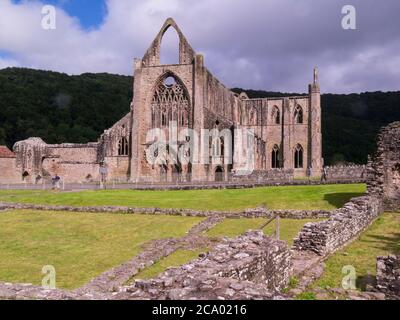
(286, 131)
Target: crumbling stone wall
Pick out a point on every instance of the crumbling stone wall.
(8, 170)
(388, 275)
(29, 155)
(279, 175)
(37, 161)
(345, 224)
(384, 167)
(248, 213)
(250, 258)
(350, 172)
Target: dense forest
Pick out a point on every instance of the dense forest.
(61, 108)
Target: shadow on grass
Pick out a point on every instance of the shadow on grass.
(365, 280)
(389, 242)
(340, 199)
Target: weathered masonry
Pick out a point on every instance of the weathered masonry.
(286, 131)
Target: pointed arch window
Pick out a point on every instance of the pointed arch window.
(171, 102)
(169, 47)
(276, 115)
(275, 163)
(298, 115)
(123, 147)
(298, 157)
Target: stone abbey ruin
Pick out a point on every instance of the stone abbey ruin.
(285, 139)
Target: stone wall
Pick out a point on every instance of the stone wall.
(384, 167)
(388, 275)
(72, 172)
(8, 171)
(351, 172)
(252, 258)
(279, 175)
(345, 224)
(248, 213)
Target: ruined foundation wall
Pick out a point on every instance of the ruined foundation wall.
(250, 261)
(344, 225)
(388, 275)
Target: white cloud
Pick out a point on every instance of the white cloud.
(260, 44)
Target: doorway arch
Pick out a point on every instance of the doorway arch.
(219, 174)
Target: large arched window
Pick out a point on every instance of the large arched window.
(275, 163)
(298, 157)
(170, 102)
(276, 115)
(298, 115)
(123, 147)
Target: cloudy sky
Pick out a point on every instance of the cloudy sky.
(258, 44)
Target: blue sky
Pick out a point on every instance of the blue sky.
(90, 13)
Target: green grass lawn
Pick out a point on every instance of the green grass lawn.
(326, 197)
(289, 228)
(381, 238)
(79, 245)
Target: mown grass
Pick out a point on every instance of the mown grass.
(289, 228)
(380, 239)
(325, 197)
(79, 245)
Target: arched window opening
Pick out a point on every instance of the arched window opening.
(163, 173)
(219, 174)
(298, 157)
(25, 176)
(169, 49)
(275, 163)
(216, 147)
(276, 115)
(170, 102)
(298, 115)
(123, 147)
